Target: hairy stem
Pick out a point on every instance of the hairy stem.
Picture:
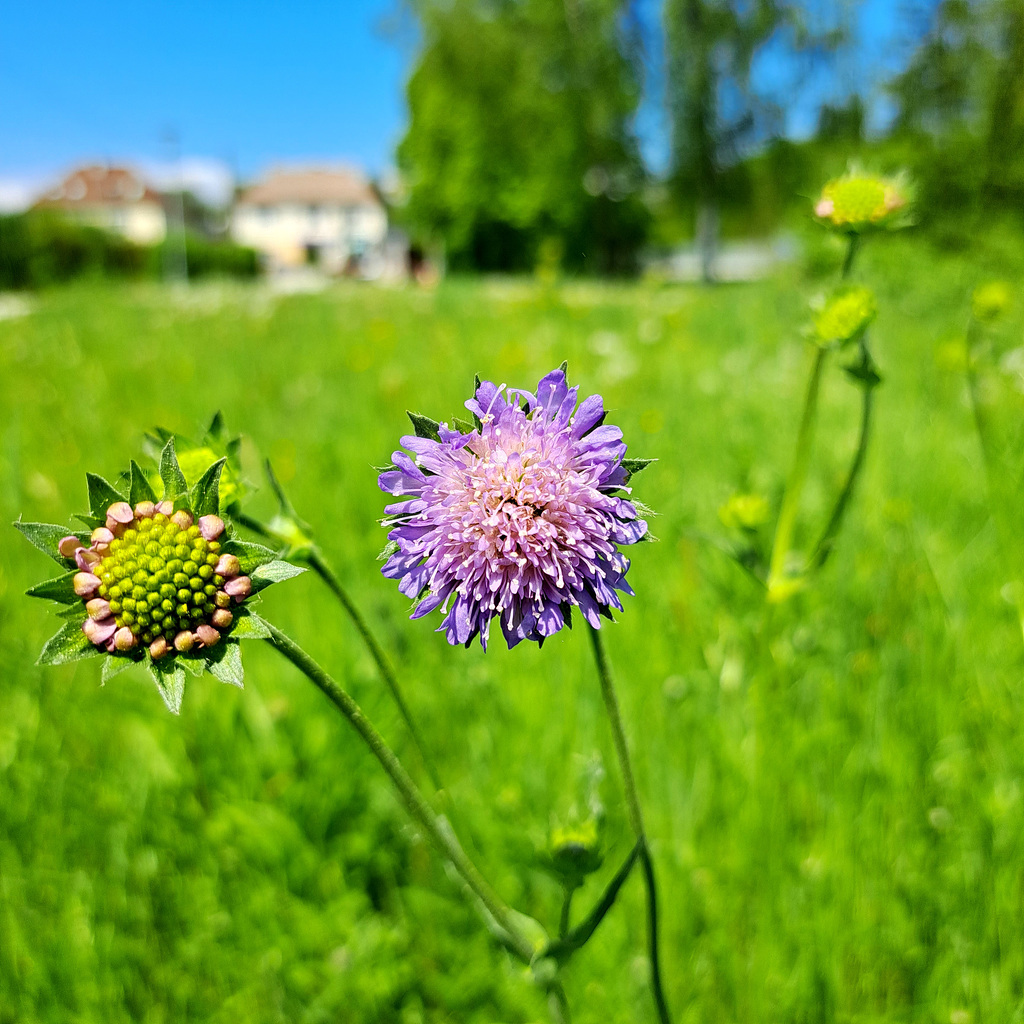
(797, 475)
(611, 703)
(441, 836)
(316, 561)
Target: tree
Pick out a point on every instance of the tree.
(519, 134)
(716, 113)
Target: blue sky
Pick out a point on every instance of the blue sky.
(241, 85)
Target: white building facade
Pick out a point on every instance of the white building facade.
(332, 219)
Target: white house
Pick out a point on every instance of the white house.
(331, 218)
(113, 198)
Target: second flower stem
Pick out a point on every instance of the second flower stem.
(794, 486)
(421, 811)
(635, 815)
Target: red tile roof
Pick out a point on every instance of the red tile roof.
(99, 186)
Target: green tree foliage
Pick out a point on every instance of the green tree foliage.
(717, 114)
(519, 134)
(962, 99)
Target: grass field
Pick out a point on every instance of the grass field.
(835, 794)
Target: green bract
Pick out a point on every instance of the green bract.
(162, 584)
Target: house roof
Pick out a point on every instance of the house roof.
(343, 187)
(99, 186)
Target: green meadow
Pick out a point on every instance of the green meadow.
(834, 790)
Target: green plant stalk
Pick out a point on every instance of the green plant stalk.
(825, 545)
(417, 806)
(580, 935)
(635, 815)
(563, 920)
(827, 541)
(798, 474)
(997, 497)
(316, 561)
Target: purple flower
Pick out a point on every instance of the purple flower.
(519, 519)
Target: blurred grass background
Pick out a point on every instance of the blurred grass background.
(838, 820)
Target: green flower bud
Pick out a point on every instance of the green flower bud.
(991, 300)
(844, 314)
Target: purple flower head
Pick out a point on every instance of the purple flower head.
(519, 519)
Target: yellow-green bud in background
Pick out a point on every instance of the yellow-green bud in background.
(844, 315)
(574, 851)
(745, 512)
(991, 300)
(857, 201)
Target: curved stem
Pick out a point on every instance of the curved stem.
(611, 703)
(441, 836)
(824, 546)
(318, 564)
(316, 561)
(797, 476)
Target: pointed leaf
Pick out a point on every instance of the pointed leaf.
(275, 485)
(565, 369)
(424, 426)
(46, 537)
(634, 466)
(251, 556)
(169, 677)
(195, 666)
(141, 489)
(114, 666)
(273, 572)
(205, 496)
(224, 662)
(67, 645)
(249, 626)
(101, 495)
(463, 426)
(91, 521)
(170, 472)
(215, 431)
(60, 589)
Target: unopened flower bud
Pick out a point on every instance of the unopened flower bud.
(228, 566)
(145, 510)
(86, 559)
(184, 641)
(239, 588)
(121, 512)
(97, 608)
(222, 618)
(165, 507)
(159, 648)
(222, 600)
(99, 632)
(990, 301)
(182, 518)
(67, 546)
(101, 535)
(86, 584)
(211, 526)
(124, 639)
(207, 635)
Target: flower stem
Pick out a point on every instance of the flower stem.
(316, 561)
(797, 476)
(441, 836)
(828, 537)
(635, 815)
(563, 921)
(319, 565)
(852, 248)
